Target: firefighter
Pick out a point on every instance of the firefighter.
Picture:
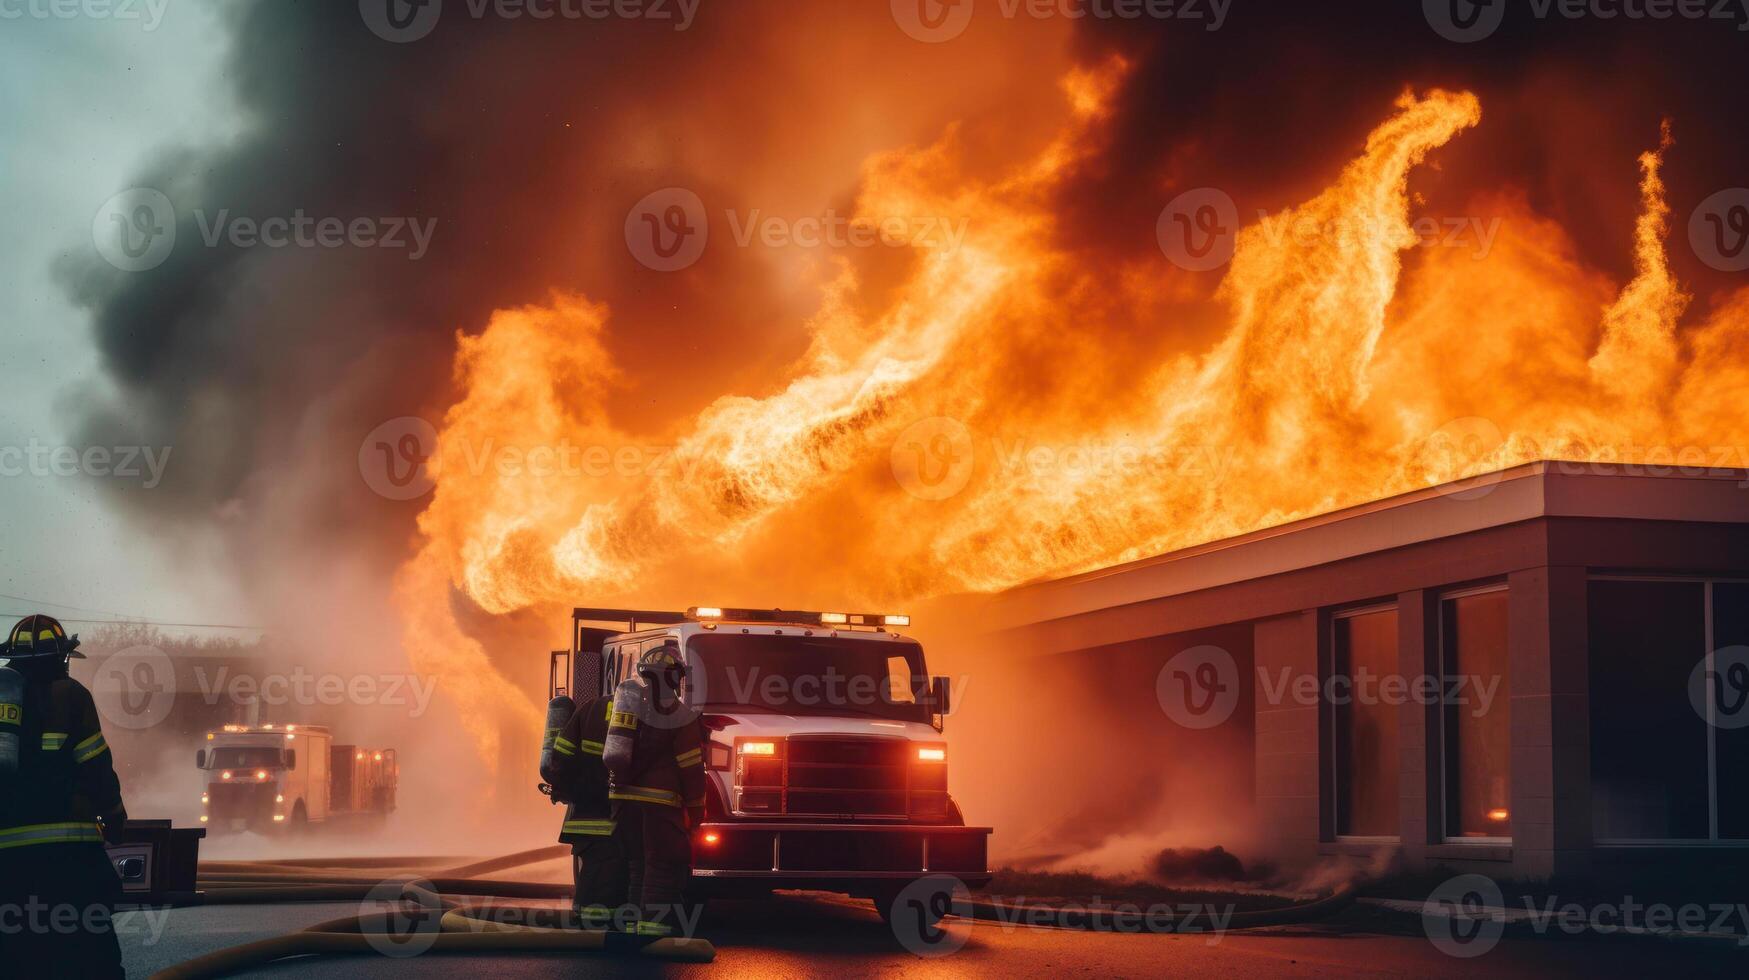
(60, 801)
(655, 761)
(578, 778)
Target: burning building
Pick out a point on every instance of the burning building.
(1532, 673)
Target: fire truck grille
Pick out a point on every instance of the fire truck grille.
(847, 777)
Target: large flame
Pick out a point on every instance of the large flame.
(1339, 376)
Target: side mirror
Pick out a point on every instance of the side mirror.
(291, 758)
(941, 701)
(200, 759)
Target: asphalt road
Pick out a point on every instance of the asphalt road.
(809, 936)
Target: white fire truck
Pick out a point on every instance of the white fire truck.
(826, 764)
(287, 777)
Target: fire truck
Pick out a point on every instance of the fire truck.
(826, 765)
(287, 777)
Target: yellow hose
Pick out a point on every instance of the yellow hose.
(459, 930)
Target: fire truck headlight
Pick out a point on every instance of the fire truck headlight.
(261, 775)
(758, 748)
(932, 754)
(204, 818)
(712, 837)
(280, 798)
(225, 775)
(279, 818)
(203, 799)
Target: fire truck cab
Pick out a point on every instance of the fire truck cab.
(824, 753)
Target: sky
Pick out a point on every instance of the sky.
(83, 101)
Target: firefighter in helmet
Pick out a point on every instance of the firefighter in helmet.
(60, 801)
(654, 755)
(578, 779)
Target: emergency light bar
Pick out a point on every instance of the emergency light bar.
(797, 616)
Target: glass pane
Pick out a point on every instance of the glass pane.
(1367, 784)
(1648, 746)
(1478, 730)
(1731, 643)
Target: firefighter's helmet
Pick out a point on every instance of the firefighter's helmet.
(662, 663)
(36, 636)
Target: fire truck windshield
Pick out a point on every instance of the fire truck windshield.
(245, 757)
(803, 675)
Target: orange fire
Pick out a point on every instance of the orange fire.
(1349, 365)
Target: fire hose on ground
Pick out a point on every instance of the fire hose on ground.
(463, 928)
(460, 927)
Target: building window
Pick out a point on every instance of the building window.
(1651, 765)
(1477, 712)
(1366, 760)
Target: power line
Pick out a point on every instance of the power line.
(62, 605)
(118, 618)
(145, 622)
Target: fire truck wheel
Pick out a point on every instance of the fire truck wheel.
(300, 818)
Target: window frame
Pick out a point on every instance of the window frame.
(1712, 841)
(1445, 736)
(1336, 773)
